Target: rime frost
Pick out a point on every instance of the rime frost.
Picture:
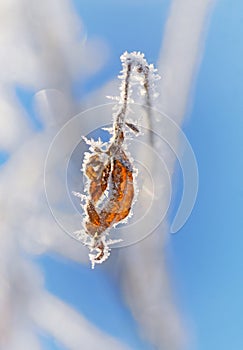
(110, 189)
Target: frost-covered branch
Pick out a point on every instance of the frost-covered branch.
(108, 167)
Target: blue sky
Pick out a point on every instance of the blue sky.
(207, 253)
(125, 26)
(205, 257)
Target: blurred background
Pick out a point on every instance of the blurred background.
(172, 292)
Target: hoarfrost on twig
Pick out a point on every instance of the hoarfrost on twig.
(108, 167)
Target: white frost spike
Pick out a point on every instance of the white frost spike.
(109, 130)
(82, 197)
(113, 98)
(82, 237)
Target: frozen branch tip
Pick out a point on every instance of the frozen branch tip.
(108, 169)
